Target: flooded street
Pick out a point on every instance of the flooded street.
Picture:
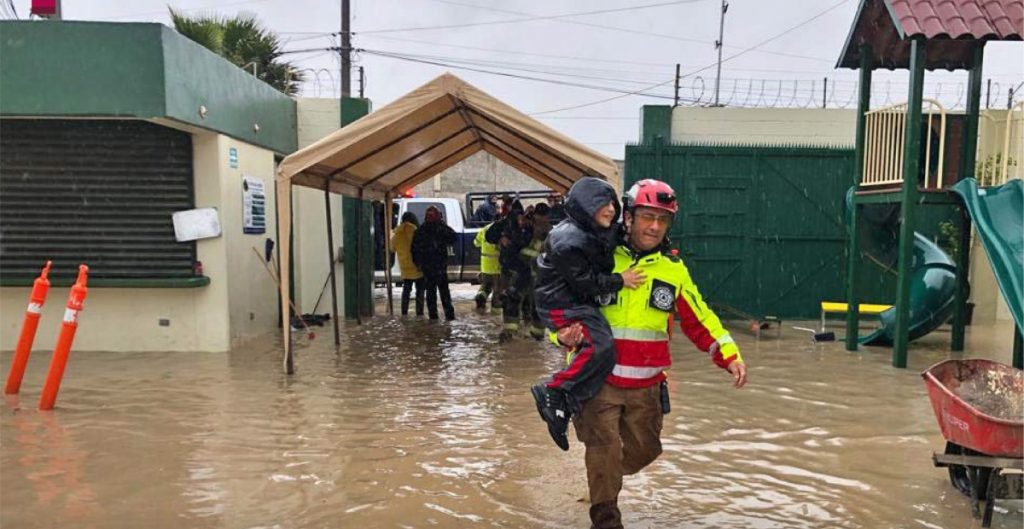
(413, 423)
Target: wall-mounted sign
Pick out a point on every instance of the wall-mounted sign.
(233, 158)
(254, 205)
(192, 224)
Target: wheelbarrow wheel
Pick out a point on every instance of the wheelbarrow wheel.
(959, 475)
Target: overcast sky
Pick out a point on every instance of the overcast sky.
(637, 46)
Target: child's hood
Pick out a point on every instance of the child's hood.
(585, 197)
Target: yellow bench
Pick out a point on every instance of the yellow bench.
(836, 307)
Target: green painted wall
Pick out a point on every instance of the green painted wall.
(81, 69)
(357, 219)
(763, 229)
(234, 99)
(655, 122)
(136, 70)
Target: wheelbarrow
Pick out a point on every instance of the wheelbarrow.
(980, 408)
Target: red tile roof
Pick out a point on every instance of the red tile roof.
(951, 29)
(959, 19)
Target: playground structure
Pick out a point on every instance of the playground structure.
(894, 169)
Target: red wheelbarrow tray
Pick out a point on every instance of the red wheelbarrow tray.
(966, 425)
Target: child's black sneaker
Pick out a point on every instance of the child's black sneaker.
(553, 409)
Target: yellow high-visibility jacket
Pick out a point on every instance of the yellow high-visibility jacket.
(640, 319)
(401, 242)
(488, 253)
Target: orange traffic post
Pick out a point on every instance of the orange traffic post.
(28, 330)
(67, 334)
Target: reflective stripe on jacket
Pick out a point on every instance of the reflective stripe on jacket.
(639, 320)
(488, 253)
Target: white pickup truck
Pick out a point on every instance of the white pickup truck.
(463, 257)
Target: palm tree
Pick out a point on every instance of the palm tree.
(244, 42)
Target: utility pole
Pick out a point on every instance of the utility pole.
(346, 51)
(676, 100)
(718, 44)
(362, 83)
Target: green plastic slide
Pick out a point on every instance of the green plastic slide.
(932, 274)
(932, 289)
(998, 216)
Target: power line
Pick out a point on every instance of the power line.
(515, 76)
(636, 92)
(592, 118)
(14, 9)
(818, 73)
(635, 31)
(475, 65)
(514, 52)
(184, 9)
(729, 58)
(531, 18)
(550, 69)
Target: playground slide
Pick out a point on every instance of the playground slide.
(932, 276)
(932, 287)
(998, 216)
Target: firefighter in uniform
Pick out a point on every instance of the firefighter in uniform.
(511, 234)
(541, 227)
(621, 425)
(490, 272)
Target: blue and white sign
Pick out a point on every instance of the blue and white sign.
(254, 205)
(233, 158)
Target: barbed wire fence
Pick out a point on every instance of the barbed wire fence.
(775, 93)
(832, 93)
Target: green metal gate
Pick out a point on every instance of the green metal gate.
(761, 228)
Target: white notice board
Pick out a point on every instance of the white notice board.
(193, 224)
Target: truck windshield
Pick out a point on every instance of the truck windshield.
(420, 209)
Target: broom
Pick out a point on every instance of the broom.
(310, 334)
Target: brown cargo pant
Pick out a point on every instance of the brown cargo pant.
(621, 429)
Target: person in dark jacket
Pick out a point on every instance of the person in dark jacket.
(574, 278)
(557, 207)
(430, 253)
(541, 228)
(512, 234)
(487, 211)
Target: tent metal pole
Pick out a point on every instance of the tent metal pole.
(359, 259)
(388, 227)
(331, 265)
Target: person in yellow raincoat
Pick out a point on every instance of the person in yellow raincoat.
(401, 242)
(490, 272)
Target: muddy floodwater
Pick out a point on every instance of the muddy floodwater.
(413, 423)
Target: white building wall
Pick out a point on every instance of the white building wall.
(316, 118)
(732, 126)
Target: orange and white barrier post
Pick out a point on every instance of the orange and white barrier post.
(67, 334)
(28, 330)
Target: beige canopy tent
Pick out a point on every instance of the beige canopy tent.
(416, 137)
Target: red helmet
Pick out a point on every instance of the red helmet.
(652, 194)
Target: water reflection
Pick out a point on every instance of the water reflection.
(411, 423)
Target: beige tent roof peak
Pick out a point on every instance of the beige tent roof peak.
(432, 128)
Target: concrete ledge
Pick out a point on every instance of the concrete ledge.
(185, 282)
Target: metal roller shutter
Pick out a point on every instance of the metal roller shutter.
(99, 192)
